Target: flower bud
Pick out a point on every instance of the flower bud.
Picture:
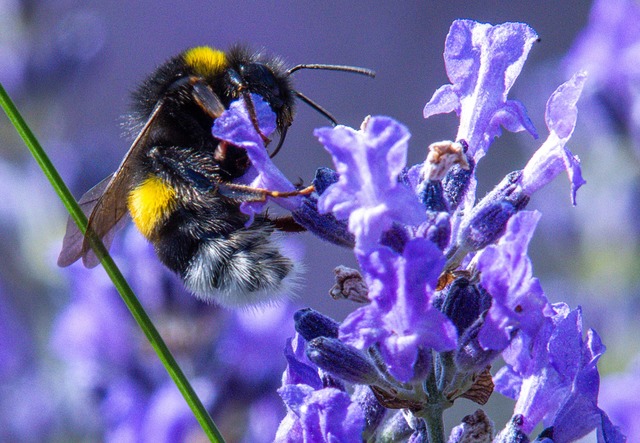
(324, 178)
(325, 226)
(395, 238)
(396, 428)
(349, 285)
(442, 156)
(311, 324)
(373, 411)
(437, 228)
(464, 302)
(342, 360)
(476, 427)
(470, 355)
(489, 217)
(456, 183)
(431, 194)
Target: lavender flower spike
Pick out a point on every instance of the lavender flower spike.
(553, 157)
(483, 62)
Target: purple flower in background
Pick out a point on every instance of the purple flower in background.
(16, 344)
(227, 355)
(26, 403)
(620, 397)
(608, 48)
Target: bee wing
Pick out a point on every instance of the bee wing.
(105, 204)
(73, 238)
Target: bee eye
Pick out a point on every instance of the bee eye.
(258, 76)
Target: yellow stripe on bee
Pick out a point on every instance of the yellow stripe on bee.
(150, 203)
(205, 61)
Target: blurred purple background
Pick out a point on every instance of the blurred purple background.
(70, 66)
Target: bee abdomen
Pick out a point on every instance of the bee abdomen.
(150, 203)
(249, 266)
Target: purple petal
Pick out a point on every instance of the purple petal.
(324, 415)
(610, 433)
(508, 382)
(483, 62)
(506, 273)
(543, 389)
(368, 192)
(553, 157)
(289, 430)
(331, 412)
(294, 395)
(443, 101)
(299, 369)
(580, 414)
(235, 127)
(401, 317)
(559, 382)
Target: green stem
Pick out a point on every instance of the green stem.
(114, 273)
(435, 424)
(433, 411)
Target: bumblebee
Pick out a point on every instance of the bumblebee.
(172, 179)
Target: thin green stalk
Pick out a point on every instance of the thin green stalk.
(114, 273)
(434, 407)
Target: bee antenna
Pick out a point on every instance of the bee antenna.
(316, 106)
(354, 69)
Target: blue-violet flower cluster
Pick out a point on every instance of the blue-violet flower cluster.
(445, 285)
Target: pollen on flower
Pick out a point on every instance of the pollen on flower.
(442, 156)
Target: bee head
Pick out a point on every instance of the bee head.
(263, 75)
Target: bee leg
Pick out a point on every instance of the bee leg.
(277, 194)
(254, 116)
(236, 80)
(287, 224)
(249, 193)
(206, 98)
